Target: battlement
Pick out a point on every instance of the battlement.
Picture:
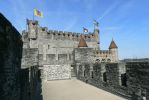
(59, 34)
(70, 34)
(104, 52)
(33, 22)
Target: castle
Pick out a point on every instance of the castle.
(58, 51)
(46, 52)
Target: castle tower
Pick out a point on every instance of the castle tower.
(113, 51)
(82, 42)
(96, 32)
(32, 28)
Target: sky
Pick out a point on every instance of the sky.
(126, 21)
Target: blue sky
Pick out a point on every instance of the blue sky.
(127, 21)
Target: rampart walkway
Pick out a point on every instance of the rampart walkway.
(74, 90)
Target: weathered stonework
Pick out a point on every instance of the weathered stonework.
(29, 58)
(16, 82)
(128, 79)
(10, 60)
(138, 80)
(55, 72)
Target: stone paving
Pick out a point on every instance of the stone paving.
(74, 90)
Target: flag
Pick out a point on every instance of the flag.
(85, 30)
(38, 13)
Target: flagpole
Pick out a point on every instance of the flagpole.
(83, 30)
(26, 24)
(33, 15)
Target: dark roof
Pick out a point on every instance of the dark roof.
(112, 45)
(82, 42)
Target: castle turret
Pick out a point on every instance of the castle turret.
(113, 51)
(32, 33)
(32, 29)
(96, 32)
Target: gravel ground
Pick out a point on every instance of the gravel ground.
(74, 90)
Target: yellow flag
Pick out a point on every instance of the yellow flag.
(38, 13)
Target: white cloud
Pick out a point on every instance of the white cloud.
(107, 11)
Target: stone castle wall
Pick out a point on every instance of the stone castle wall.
(29, 58)
(138, 80)
(18, 81)
(56, 72)
(128, 79)
(10, 60)
(103, 75)
(83, 55)
(29, 83)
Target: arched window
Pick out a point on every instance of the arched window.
(104, 77)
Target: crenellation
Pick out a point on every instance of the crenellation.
(31, 22)
(61, 32)
(104, 51)
(55, 31)
(44, 29)
(50, 31)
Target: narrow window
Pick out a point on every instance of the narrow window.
(92, 74)
(124, 80)
(84, 73)
(104, 77)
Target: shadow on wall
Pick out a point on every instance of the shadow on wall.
(39, 87)
(31, 85)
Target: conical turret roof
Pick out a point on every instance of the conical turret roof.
(82, 42)
(113, 45)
